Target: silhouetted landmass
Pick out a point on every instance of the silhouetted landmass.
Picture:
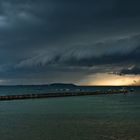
(63, 85)
(47, 85)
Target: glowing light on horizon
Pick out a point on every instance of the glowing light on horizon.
(111, 80)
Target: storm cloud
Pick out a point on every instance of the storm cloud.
(134, 70)
(45, 41)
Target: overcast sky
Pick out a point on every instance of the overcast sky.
(46, 41)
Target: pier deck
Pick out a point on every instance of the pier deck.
(59, 94)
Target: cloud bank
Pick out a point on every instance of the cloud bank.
(45, 41)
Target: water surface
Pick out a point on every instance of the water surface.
(98, 117)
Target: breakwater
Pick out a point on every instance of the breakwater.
(59, 94)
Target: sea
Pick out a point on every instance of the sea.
(95, 117)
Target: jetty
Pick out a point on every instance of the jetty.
(59, 94)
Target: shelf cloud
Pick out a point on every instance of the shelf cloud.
(66, 41)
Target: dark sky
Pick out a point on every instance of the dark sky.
(45, 41)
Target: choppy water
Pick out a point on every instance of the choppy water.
(98, 117)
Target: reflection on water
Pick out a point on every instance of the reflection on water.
(102, 117)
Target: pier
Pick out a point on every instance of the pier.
(59, 94)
